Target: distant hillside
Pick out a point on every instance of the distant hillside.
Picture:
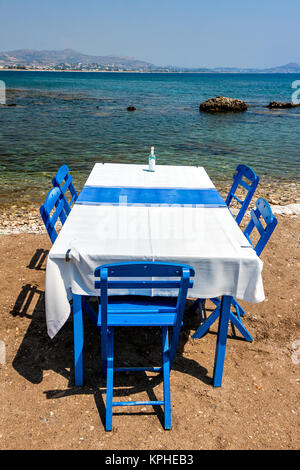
(68, 59)
(28, 57)
(292, 67)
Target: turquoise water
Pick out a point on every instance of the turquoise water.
(81, 118)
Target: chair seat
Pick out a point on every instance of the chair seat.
(139, 310)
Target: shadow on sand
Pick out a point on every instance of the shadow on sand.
(38, 353)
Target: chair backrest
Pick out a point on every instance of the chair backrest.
(242, 171)
(55, 202)
(263, 212)
(143, 270)
(63, 180)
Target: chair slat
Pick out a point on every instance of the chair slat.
(244, 184)
(237, 199)
(144, 269)
(242, 171)
(138, 403)
(141, 284)
(149, 318)
(64, 181)
(257, 223)
(53, 201)
(58, 211)
(262, 211)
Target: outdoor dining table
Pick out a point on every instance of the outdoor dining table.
(174, 214)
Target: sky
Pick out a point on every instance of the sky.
(187, 33)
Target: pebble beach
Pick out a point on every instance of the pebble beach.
(24, 217)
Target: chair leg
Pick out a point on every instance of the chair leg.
(166, 376)
(78, 339)
(201, 310)
(174, 342)
(221, 340)
(236, 322)
(234, 318)
(239, 310)
(198, 303)
(104, 347)
(207, 324)
(109, 378)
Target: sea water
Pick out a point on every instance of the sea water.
(81, 118)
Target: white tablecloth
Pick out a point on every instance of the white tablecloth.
(206, 238)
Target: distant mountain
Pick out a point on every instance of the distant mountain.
(68, 59)
(33, 58)
(292, 67)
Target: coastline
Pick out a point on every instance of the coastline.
(152, 72)
(217, 143)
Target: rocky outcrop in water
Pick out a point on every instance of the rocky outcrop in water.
(281, 105)
(131, 108)
(223, 104)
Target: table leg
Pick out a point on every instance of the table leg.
(221, 340)
(78, 339)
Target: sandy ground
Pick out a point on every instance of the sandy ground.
(257, 406)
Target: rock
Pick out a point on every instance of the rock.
(131, 108)
(223, 104)
(11, 105)
(289, 209)
(2, 353)
(279, 104)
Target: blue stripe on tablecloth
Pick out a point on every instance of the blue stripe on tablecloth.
(99, 195)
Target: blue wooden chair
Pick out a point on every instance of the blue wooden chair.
(242, 171)
(54, 208)
(166, 312)
(262, 212)
(63, 180)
